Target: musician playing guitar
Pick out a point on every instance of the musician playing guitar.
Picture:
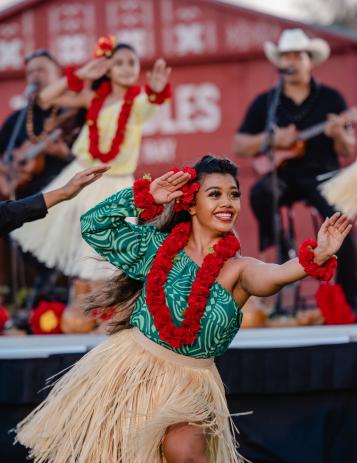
(41, 69)
(304, 102)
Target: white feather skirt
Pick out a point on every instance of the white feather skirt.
(341, 191)
(56, 239)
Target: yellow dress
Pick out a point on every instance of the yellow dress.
(56, 240)
(126, 161)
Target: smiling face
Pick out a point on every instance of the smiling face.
(217, 203)
(125, 69)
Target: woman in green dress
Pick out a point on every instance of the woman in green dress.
(151, 393)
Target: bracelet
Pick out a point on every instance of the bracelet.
(306, 258)
(144, 200)
(159, 98)
(74, 83)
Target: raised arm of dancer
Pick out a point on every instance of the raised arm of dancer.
(157, 80)
(58, 93)
(261, 279)
(74, 186)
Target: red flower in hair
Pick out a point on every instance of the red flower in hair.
(189, 190)
(105, 46)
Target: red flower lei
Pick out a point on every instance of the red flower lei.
(92, 120)
(306, 258)
(187, 333)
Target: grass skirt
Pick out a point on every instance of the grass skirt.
(117, 402)
(56, 240)
(341, 191)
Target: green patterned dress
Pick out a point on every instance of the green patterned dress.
(132, 248)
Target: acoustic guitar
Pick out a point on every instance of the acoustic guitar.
(262, 164)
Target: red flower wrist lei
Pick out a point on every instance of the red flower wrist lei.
(144, 200)
(306, 258)
(158, 98)
(74, 83)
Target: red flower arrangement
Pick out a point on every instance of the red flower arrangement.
(105, 46)
(332, 303)
(4, 317)
(74, 83)
(46, 318)
(189, 190)
(306, 258)
(92, 120)
(144, 200)
(158, 98)
(187, 333)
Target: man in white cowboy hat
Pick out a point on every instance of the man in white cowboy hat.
(304, 102)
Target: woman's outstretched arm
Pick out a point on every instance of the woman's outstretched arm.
(261, 279)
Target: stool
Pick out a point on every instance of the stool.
(287, 249)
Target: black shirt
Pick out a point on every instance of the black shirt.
(14, 213)
(320, 155)
(53, 165)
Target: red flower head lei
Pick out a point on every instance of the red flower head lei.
(46, 318)
(105, 46)
(144, 200)
(177, 336)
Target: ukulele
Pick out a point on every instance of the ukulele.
(28, 160)
(262, 164)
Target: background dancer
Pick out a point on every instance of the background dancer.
(116, 111)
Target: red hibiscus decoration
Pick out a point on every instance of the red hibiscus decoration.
(105, 46)
(189, 190)
(46, 318)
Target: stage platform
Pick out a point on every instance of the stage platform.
(300, 383)
(18, 347)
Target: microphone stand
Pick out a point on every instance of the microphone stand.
(269, 150)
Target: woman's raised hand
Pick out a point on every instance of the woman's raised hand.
(330, 236)
(167, 187)
(94, 69)
(158, 77)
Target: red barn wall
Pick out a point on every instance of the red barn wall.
(218, 68)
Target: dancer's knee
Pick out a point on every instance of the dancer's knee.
(185, 443)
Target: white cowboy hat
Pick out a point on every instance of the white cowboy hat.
(297, 40)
